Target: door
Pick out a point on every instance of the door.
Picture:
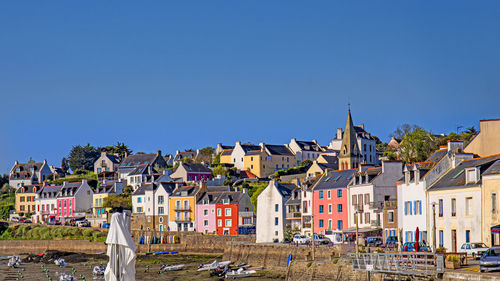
(161, 227)
(454, 240)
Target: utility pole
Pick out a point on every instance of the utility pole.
(357, 229)
(312, 227)
(434, 226)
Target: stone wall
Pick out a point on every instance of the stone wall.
(11, 247)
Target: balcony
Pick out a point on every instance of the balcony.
(306, 225)
(376, 205)
(246, 214)
(182, 208)
(182, 219)
(390, 204)
(294, 216)
(375, 223)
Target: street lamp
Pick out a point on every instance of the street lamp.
(357, 213)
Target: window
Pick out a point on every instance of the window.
(339, 208)
(219, 223)
(276, 207)
(440, 202)
(320, 223)
(354, 200)
(367, 217)
(161, 211)
(329, 224)
(247, 221)
(367, 198)
(493, 202)
(275, 220)
(321, 209)
(471, 175)
(339, 193)
(160, 199)
(228, 223)
(360, 199)
(329, 208)
(453, 207)
(468, 206)
(139, 200)
(219, 212)
(205, 212)
(467, 236)
(329, 194)
(228, 211)
(321, 194)
(339, 225)
(390, 216)
(441, 236)
(205, 223)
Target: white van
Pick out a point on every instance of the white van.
(334, 236)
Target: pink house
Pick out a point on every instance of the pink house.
(330, 201)
(73, 199)
(192, 172)
(205, 213)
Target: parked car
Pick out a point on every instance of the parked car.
(27, 221)
(105, 225)
(298, 239)
(335, 236)
(15, 219)
(83, 223)
(410, 247)
(321, 239)
(374, 241)
(391, 242)
(475, 250)
(490, 260)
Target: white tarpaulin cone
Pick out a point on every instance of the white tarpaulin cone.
(121, 251)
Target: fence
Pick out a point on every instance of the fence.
(399, 263)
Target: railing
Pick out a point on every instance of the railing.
(296, 215)
(390, 204)
(182, 219)
(399, 263)
(376, 205)
(306, 225)
(182, 208)
(246, 214)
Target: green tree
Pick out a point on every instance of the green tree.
(4, 179)
(121, 149)
(64, 165)
(206, 155)
(118, 201)
(82, 158)
(417, 145)
(219, 170)
(306, 164)
(31, 160)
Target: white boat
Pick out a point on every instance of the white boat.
(173, 267)
(240, 273)
(215, 264)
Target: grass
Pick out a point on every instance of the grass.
(38, 232)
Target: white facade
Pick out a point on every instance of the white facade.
(138, 203)
(366, 143)
(467, 217)
(367, 196)
(237, 156)
(306, 209)
(307, 152)
(270, 214)
(83, 197)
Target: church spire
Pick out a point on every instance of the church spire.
(349, 156)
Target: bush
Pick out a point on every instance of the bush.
(453, 258)
(441, 250)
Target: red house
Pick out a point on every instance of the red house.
(229, 206)
(330, 201)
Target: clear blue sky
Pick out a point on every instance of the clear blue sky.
(186, 74)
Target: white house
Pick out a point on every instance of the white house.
(271, 212)
(412, 190)
(366, 144)
(156, 203)
(456, 198)
(46, 204)
(28, 173)
(306, 204)
(369, 189)
(239, 152)
(305, 150)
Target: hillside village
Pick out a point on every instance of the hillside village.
(353, 185)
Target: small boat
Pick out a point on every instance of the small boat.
(215, 264)
(14, 262)
(240, 273)
(99, 269)
(219, 271)
(60, 262)
(172, 267)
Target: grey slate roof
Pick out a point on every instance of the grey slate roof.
(234, 197)
(50, 191)
(248, 147)
(107, 187)
(437, 155)
(330, 159)
(278, 149)
(285, 189)
(456, 177)
(494, 169)
(227, 151)
(25, 170)
(191, 190)
(138, 159)
(215, 188)
(140, 170)
(334, 179)
(197, 168)
(29, 188)
(308, 145)
(168, 186)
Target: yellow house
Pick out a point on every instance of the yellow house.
(268, 159)
(487, 142)
(100, 195)
(182, 208)
(491, 213)
(320, 165)
(225, 156)
(26, 198)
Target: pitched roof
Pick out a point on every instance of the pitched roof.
(248, 147)
(139, 170)
(167, 186)
(278, 149)
(190, 191)
(285, 189)
(494, 169)
(25, 170)
(349, 145)
(234, 197)
(247, 175)
(113, 158)
(308, 145)
(29, 188)
(437, 155)
(50, 191)
(456, 177)
(330, 159)
(331, 166)
(196, 168)
(138, 159)
(334, 179)
(227, 152)
(211, 196)
(107, 187)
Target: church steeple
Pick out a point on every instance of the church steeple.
(349, 156)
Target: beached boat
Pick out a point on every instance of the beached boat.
(240, 273)
(215, 264)
(172, 267)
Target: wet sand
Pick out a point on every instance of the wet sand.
(34, 271)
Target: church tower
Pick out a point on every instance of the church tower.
(350, 155)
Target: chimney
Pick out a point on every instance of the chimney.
(244, 189)
(126, 154)
(339, 133)
(294, 140)
(65, 183)
(362, 126)
(238, 143)
(315, 141)
(158, 153)
(103, 153)
(84, 181)
(177, 152)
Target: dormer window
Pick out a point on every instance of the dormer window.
(225, 201)
(471, 175)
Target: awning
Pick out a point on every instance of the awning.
(352, 231)
(495, 229)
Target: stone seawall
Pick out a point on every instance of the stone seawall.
(11, 247)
